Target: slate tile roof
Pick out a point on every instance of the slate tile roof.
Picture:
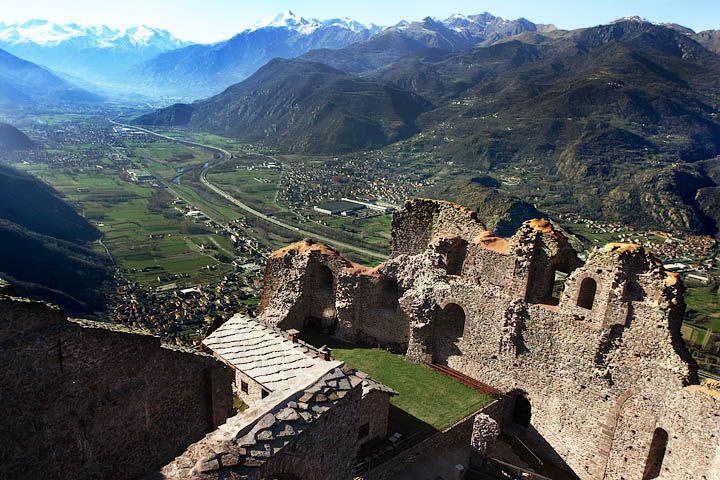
(265, 354)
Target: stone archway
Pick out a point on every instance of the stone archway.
(522, 410)
(320, 287)
(389, 294)
(448, 330)
(586, 293)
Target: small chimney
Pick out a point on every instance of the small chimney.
(293, 335)
(324, 353)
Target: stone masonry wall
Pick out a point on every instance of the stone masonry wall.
(374, 411)
(602, 371)
(458, 434)
(311, 435)
(254, 389)
(81, 400)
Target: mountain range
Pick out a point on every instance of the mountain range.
(202, 70)
(25, 85)
(455, 33)
(96, 54)
(303, 106)
(619, 121)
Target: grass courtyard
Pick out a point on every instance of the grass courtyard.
(426, 397)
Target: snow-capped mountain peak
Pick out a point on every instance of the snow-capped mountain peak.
(44, 33)
(285, 19)
(632, 18)
(291, 21)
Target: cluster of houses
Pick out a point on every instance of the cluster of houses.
(170, 309)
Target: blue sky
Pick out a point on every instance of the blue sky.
(212, 20)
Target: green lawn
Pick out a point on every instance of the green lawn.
(428, 396)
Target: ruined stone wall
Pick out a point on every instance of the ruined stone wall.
(599, 370)
(691, 419)
(422, 220)
(358, 304)
(84, 400)
(573, 365)
(301, 283)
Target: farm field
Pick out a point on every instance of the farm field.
(257, 187)
(705, 303)
(145, 236)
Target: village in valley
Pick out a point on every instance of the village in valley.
(212, 255)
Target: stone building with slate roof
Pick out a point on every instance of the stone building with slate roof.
(269, 360)
(264, 360)
(310, 435)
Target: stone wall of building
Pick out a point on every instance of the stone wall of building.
(374, 412)
(87, 400)
(591, 375)
(308, 284)
(310, 435)
(254, 389)
(458, 434)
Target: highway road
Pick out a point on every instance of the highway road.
(248, 208)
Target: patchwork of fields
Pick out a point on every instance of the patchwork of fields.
(143, 233)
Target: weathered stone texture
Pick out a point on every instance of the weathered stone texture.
(87, 400)
(312, 435)
(374, 412)
(485, 433)
(602, 367)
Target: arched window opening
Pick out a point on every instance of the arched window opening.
(522, 411)
(449, 329)
(557, 288)
(655, 459)
(389, 293)
(455, 257)
(325, 278)
(586, 295)
(322, 313)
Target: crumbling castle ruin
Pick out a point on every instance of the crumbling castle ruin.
(595, 375)
(599, 379)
